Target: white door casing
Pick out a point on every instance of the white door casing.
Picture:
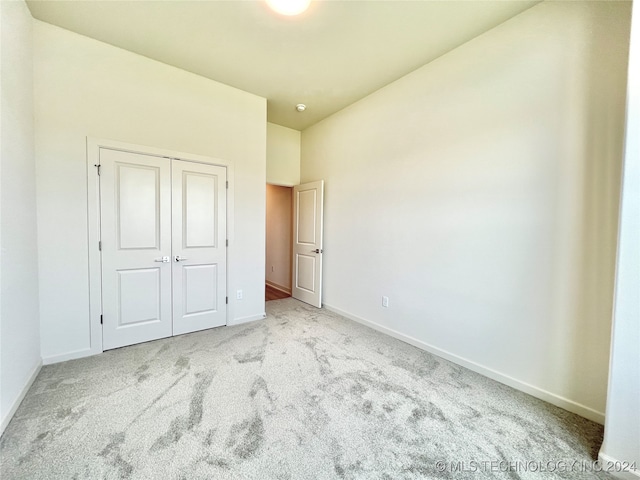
(136, 238)
(308, 200)
(198, 246)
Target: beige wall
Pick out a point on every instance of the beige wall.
(283, 155)
(87, 88)
(19, 316)
(279, 236)
(480, 194)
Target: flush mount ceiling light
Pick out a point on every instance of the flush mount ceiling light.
(288, 7)
(301, 107)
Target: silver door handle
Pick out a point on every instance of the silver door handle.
(180, 259)
(164, 259)
(317, 250)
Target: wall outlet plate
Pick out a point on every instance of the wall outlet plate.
(385, 302)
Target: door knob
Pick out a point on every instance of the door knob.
(164, 259)
(317, 250)
(180, 259)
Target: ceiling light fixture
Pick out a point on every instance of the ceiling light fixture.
(301, 107)
(288, 7)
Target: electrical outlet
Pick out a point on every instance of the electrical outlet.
(385, 302)
(239, 295)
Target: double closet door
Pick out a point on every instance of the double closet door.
(163, 247)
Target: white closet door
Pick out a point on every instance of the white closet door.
(199, 254)
(136, 247)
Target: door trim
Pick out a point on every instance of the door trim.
(93, 146)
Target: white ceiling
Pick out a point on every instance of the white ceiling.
(334, 54)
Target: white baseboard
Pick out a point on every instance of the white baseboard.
(251, 318)
(280, 288)
(16, 403)
(85, 352)
(552, 398)
(609, 465)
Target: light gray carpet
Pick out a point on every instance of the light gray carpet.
(304, 394)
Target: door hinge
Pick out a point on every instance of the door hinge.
(226, 300)
(227, 242)
(97, 165)
(100, 245)
(227, 183)
(100, 319)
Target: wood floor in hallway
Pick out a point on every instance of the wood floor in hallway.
(274, 294)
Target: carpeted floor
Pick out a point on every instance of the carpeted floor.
(304, 394)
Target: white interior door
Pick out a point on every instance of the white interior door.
(308, 202)
(199, 246)
(163, 241)
(135, 194)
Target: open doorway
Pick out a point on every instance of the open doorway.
(278, 242)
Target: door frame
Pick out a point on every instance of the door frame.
(93, 222)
